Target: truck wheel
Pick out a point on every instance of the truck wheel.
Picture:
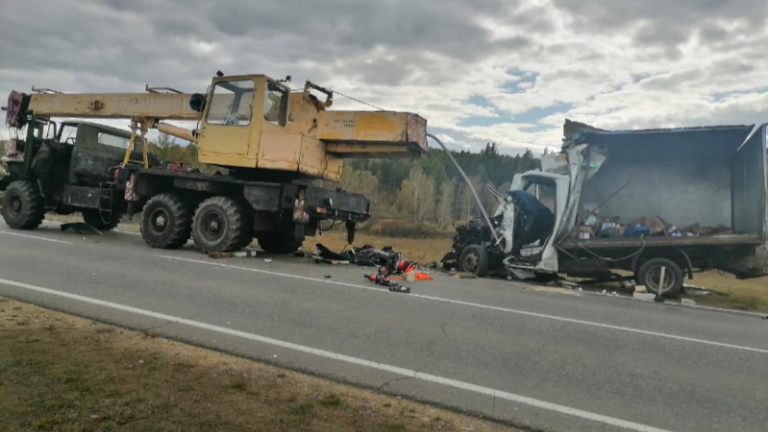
(219, 225)
(474, 259)
(93, 218)
(23, 206)
(247, 238)
(279, 243)
(166, 222)
(650, 275)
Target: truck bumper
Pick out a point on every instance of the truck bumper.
(324, 204)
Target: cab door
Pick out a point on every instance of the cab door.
(226, 130)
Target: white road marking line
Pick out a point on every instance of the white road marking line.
(351, 360)
(482, 306)
(35, 237)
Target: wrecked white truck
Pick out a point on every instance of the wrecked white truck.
(660, 204)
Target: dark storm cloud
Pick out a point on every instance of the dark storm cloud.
(163, 40)
(429, 57)
(664, 22)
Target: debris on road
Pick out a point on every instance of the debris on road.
(366, 255)
(400, 289)
(392, 266)
(80, 228)
(697, 290)
(462, 275)
(318, 259)
(250, 253)
(643, 296)
(382, 279)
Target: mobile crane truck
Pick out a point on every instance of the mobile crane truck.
(267, 143)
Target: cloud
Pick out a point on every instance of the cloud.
(523, 64)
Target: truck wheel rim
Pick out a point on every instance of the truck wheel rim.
(212, 226)
(158, 221)
(653, 281)
(15, 206)
(470, 262)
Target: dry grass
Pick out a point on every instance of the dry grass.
(748, 295)
(58, 372)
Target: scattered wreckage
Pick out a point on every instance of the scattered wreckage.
(657, 203)
(392, 267)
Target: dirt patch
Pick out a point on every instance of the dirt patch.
(59, 372)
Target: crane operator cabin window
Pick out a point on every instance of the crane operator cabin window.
(232, 103)
(275, 104)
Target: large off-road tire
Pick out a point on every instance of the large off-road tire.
(650, 274)
(23, 206)
(278, 242)
(474, 259)
(166, 222)
(219, 225)
(93, 218)
(247, 237)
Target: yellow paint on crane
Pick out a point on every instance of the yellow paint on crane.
(253, 121)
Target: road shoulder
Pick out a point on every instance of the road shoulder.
(60, 372)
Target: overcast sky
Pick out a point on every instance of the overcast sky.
(505, 71)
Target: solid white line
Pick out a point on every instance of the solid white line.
(482, 306)
(35, 237)
(351, 360)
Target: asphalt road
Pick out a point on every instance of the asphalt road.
(534, 357)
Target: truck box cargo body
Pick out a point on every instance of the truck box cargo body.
(681, 179)
(658, 203)
(710, 176)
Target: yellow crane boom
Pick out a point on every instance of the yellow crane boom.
(247, 121)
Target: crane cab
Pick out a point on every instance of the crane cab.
(253, 121)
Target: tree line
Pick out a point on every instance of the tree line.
(430, 189)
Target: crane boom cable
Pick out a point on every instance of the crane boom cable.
(357, 100)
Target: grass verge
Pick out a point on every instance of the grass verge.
(62, 373)
(731, 293)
